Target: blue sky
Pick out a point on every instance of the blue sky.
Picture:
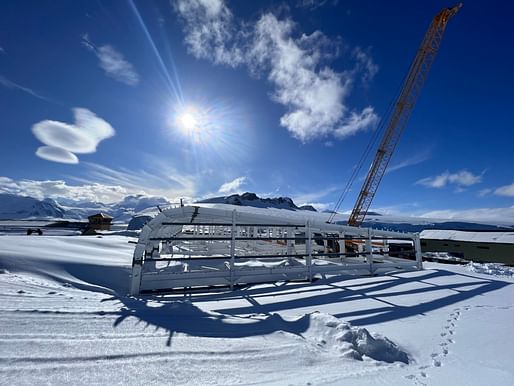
(204, 97)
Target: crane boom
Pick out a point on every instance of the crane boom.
(401, 112)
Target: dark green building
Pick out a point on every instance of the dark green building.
(497, 247)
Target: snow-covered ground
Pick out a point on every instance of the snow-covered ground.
(65, 319)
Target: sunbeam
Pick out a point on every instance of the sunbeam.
(173, 84)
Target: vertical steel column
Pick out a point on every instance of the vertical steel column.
(308, 249)
(232, 249)
(417, 248)
(342, 246)
(137, 268)
(369, 249)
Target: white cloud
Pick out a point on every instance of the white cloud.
(313, 93)
(460, 179)
(113, 62)
(233, 186)
(57, 154)
(103, 184)
(507, 190)
(357, 122)
(59, 189)
(63, 139)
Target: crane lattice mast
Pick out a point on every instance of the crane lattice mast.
(401, 112)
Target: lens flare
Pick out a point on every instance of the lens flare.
(187, 122)
(209, 132)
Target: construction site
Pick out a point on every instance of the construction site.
(192, 246)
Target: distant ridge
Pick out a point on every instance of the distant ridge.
(251, 199)
(13, 207)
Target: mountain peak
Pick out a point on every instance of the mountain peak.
(252, 199)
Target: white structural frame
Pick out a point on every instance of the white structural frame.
(193, 246)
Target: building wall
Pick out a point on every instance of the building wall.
(100, 224)
(482, 252)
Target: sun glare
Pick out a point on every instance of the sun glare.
(209, 129)
(188, 121)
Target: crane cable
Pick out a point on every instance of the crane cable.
(371, 144)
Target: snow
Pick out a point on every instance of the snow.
(477, 237)
(446, 256)
(65, 319)
(494, 269)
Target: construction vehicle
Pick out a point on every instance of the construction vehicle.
(400, 113)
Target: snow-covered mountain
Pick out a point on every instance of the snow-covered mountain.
(122, 210)
(13, 207)
(251, 199)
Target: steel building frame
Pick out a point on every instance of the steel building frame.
(194, 246)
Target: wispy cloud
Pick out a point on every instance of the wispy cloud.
(365, 62)
(113, 62)
(411, 161)
(484, 192)
(460, 179)
(233, 186)
(168, 181)
(310, 4)
(507, 190)
(15, 86)
(307, 198)
(313, 94)
(494, 215)
(63, 140)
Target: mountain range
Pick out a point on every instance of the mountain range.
(14, 207)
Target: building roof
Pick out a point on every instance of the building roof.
(102, 215)
(477, 237)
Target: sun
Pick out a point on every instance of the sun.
(187, 121)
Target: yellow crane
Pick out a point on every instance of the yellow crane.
(400, 113)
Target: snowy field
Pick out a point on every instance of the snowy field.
(65, 319)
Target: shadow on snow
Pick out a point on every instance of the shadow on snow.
(183, 313)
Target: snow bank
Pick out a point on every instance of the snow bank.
(332, 334)
(494, 269)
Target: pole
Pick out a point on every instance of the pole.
(232, 249)
(308, 248)
(369, 249)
